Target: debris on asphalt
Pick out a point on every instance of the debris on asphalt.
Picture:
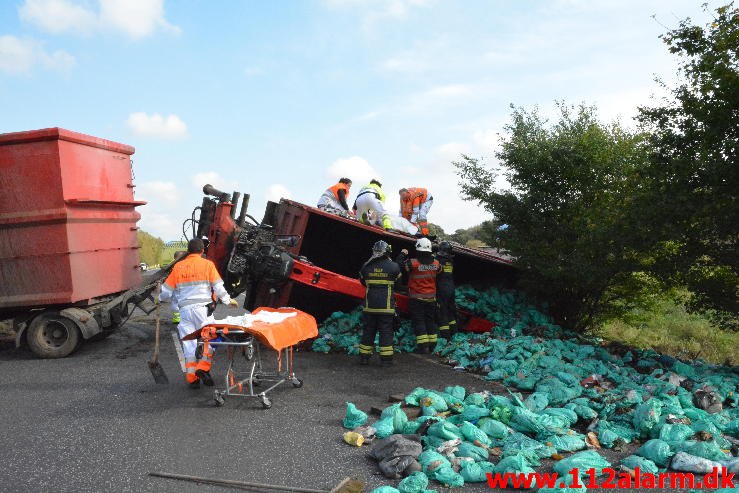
(354, 417)
(354, 438)
(579, 396)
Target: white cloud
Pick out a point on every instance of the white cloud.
(135, 18)
(155, 125)
(215, 179)
(160, 216)
(20, 56)
(276, 191)
(355, 168)
(375, 11)
(58, 16)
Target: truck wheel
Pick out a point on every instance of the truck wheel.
(51, 335)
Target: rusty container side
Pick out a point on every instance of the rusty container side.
(342, 245)
(67, 218)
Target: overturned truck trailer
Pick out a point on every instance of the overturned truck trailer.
(262, 257)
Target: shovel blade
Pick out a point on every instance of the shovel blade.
(158, 373)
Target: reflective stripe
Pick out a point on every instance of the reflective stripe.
(365, 349)
(423, 296)
(420, 276)
(377, 281)
(195, 302)
(444, 327)
(431, 338)
(379, 310)
(421, 339)
(453, 322)
(386, 350)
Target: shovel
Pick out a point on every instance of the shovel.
(154, 366)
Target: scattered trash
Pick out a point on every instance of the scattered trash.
(353, 438)
(354, 417)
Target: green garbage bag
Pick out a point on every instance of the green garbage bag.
(493, 428)
(384, 427)
(562, 412)
(582, 461)
(585, 412)
(476, 472)
(646, 415)
(525, 421)
(656, 450)
(385, 489)
(431, 459)
(499, 401)
(453, 403)
(675, 434)
(444, 430)
(433, 400)
(537, 402)
(416, 482)
(532, 450)
(456, 419)
(411, 427)
(413, 398)
(472, 433)
(645, 465)
(432, 441)
(457, 391)
(501, 413)
(474, 400)
(473, 413)
(732, 428)
(707, 450)
(566, 443)
(446, 475)
(466, 449)
(515, 464)
(354, 417)
(397, 415)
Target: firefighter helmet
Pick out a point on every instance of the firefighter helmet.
(423, 245)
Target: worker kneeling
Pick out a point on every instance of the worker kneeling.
(422, 272)
(379, 275)
(414, 206)
(192, 284)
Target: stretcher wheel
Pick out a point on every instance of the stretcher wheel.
(248, 352)
(266, 403)
(297, 383)
(218, 398)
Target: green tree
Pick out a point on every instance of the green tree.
(693, 173)
(569, 208)
(150, 248)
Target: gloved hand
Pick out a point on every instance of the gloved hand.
(233, 303)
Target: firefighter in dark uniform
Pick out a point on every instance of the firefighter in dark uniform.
(422, 272)
(445, 291)
(379, 275)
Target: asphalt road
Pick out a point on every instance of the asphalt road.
(96, 422)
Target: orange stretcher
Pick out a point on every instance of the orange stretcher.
(242, 341)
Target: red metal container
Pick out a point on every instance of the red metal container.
(67, 219)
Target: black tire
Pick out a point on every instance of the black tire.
(51, 335)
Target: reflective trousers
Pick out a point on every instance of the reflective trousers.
(447, 317)
(367, 203)
(423, 320)
(374, 323)
(192, 318)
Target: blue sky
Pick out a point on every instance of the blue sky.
(280, 98)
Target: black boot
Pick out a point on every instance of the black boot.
(386, 361)
(428, 347)
(364, 359)
(205, 377)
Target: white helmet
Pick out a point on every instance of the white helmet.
(423, 245)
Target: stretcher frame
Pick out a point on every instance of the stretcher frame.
(241, 343)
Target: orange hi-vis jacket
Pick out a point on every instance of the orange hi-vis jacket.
(416, 197)
(422, 280)
(339, 186)
(194, 280)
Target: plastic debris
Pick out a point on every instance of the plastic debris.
(414, 483)
(353, 438)
(572, 383)
(644, 464)
(582, 461)
(354, 417)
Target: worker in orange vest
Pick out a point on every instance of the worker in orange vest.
(192, 284)
(336, 197)
(422, 272)
(414, 206)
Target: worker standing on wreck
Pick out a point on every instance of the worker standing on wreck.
(379, 275)
(371, 199)
(192, 283)
(445, 291)
(422, 272)
(335, 197)
(414, 206)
